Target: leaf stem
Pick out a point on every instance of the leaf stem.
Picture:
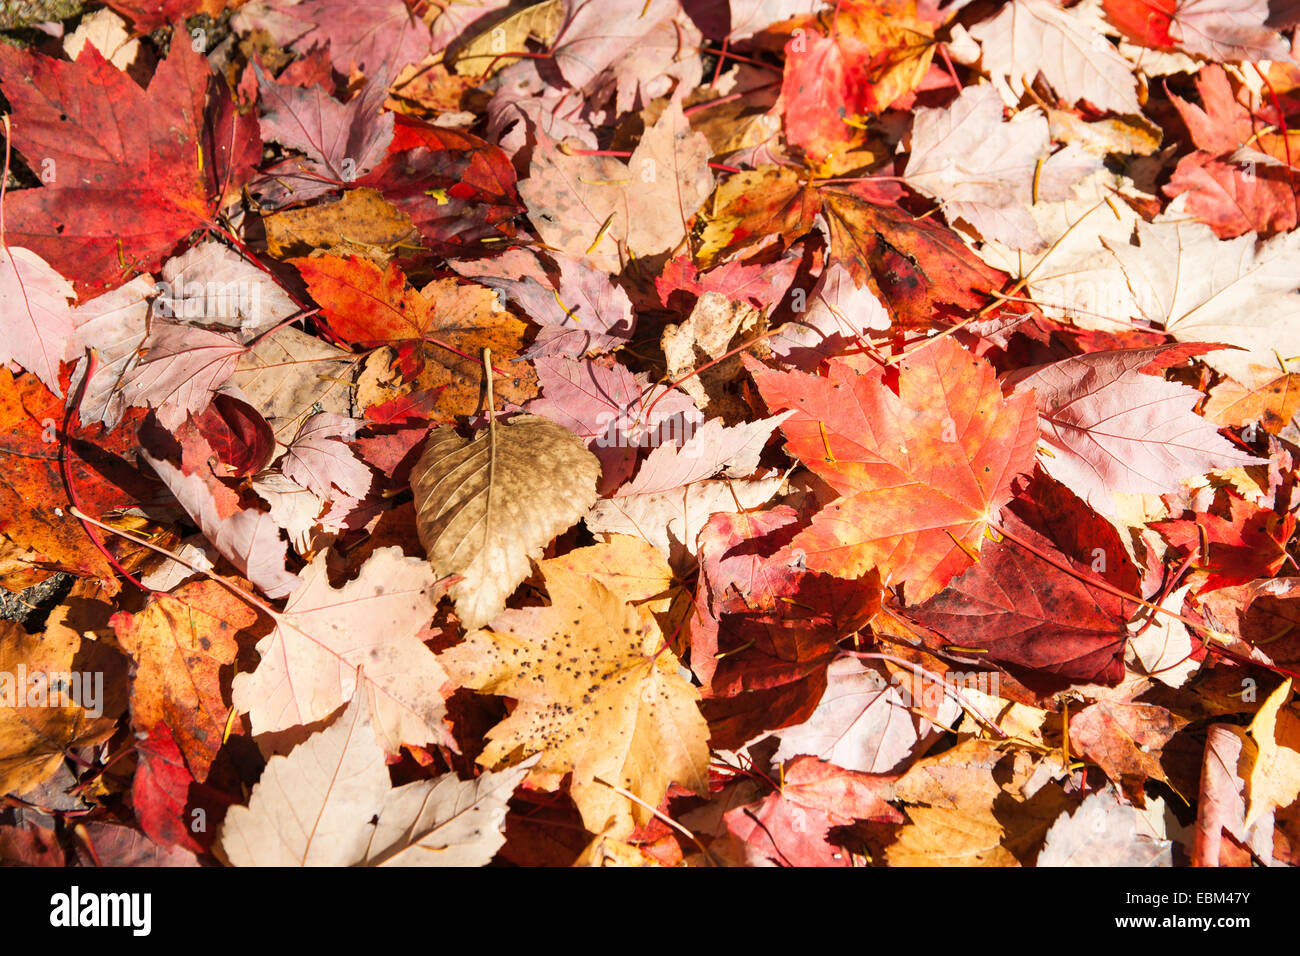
(628, 795)
(228, 585)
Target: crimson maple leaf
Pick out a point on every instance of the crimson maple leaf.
(101, 145)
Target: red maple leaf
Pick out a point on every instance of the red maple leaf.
(102, 146)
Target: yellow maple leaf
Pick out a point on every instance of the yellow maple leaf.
(637, 572)
(599, 695)
(45, 690)
(1274, 777)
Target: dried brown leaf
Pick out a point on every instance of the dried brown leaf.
(486, 506)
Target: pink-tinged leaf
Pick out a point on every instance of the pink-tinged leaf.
(1222, 837)
(246, 537)
(525, 102)
(516, 262)
(181, 368)
(761, 284)
(30, 845)
(839, 314)
(1226, 30)
(653, 67)
(341, 140)
(310, 661)
(982, 169)
(109, 844)
(320, 460)
(378, 37)
(580, 309)
(392, 451)
(1231, 200)
(635, 39)
(582, 312)
(790, 827)
(350, 514)
(350, 29)
(714, 448)
(38, 319)
(310, 69)
(455, 20)
(587, 315)
(212, 285)
(1112, 428)
(863, 722)
(115, 325)
(610, 409)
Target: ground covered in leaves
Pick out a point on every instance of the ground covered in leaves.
(650, 432)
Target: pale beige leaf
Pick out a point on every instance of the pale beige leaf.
(1067, 46)
(486, 507)
(330, 803)
(115, 325)
(312, 807)
(1103, 831)
(1204, 289)
(1164, 648)
(293, 508)
(107, 33)
(599, 208)
(672, 520)
(287, 374)
(714, 326)
(1076, 278)
(446, 821)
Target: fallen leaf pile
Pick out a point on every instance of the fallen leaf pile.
(638, 432)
